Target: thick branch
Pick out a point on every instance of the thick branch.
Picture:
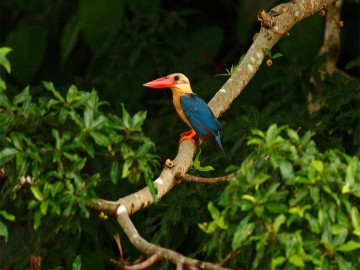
(275, 25)
(283, 17)
(149, 249)
(165, 182)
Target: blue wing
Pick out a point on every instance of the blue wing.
(201, 118)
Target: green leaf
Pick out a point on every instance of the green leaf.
(276, 208)
(77, 263)
(43, 207)
(37, 193)
(279, 220)
(50, 86)
(277, 261)
(7, 215)
(271, 134)
(37, 220)
(205, 168)
(197, 163)
(243, 231)
(98, 122)
(344, 264)
(293, 134)
(277, 55)
(115, 171)
(349, 246)
(29, 43)
(318, 165)
(125, 170)
(138, 120)
(340, 238)
(296, 260)
(88, 116)
(144, 148)
(256, 141)
(214, 212)
(258, 133)
(4, 231)
(72, 94)
(8, 152)
(355, 218)
(286, 170)
(351, 170)
(2, 85)
(353, 63)
(249, 198)
(3, 60)
(76, 118)
(100, 139)
(126, 118)
(56, 135)
(152, 189)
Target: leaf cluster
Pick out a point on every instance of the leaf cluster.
(290, 205)
(58, 153)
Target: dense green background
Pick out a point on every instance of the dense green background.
(115, 47)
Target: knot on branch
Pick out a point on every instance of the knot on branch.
(169, 163)
(267, 18)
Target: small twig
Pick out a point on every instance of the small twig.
(179, 266)
(118, 243)
(139, 266)
(198, 179)
(229, 257)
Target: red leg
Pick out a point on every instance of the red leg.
(187, 135)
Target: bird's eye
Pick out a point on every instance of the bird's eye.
(176, 77)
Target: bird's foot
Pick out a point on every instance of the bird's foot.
(187, 135)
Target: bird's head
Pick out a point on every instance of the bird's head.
(177, 82)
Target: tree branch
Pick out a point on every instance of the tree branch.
(331, 44)
(275, 25)
(198, 179)
(331, 47)
(283, 17)
(149, 249)
(139, 266)
(165, 182)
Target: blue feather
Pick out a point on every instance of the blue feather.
(202, 120)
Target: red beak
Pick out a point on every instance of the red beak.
(163, 82)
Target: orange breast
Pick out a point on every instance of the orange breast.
(176, 101)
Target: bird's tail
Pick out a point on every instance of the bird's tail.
(219, 145)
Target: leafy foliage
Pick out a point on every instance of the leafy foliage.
(87, 148)
(289, 206)
(48, 149)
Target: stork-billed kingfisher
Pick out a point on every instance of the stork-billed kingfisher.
(192, 110)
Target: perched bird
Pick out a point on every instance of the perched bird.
(192, 110)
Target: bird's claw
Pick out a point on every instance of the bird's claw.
(187, 135)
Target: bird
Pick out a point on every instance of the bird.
(193, 110)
